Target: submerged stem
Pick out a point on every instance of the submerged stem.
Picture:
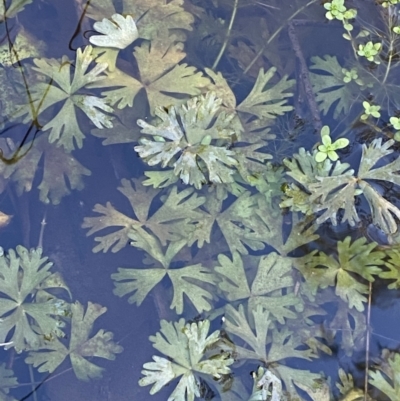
(228, 34)
(367, 342)
(275, 34)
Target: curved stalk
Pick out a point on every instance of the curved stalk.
(228, 34)
(276, 34)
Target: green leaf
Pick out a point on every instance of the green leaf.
(64, 128)
(185, 133)
(185, 346)
(185, 280)
(58, 166)
(393, 263)
(267, 103)
(268, 288)
(81, 346)
(22, 273)
(333, 187)
(353, 259)
(389, 385)
(347, 388)
(165, 223)
(329, 87)
(15, 7)
(165, 81)
(265, 343)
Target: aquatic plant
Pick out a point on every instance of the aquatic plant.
(279, 245)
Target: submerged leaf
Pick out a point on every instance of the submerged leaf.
(22, 273)
(58, 166)
(173, 221)
(52, 353)
(390, 385)
(191, 281)
(7, 381)
(185, 346)
(149, 13)
(268, 288)
(330, 87)
(267, 104)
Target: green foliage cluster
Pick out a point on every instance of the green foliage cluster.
(235, 234)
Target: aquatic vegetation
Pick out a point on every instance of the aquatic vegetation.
(282, 249)
(185, 346)
(141, 281)
(328, 149)
(338, 187)
(7, 381)
(165, 223)
(52, 351)
(59, 167)
(119, 32)
(25, 274)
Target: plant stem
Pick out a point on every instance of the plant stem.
(367, 342)
(228, 34)
(389, 64)
(275, 34)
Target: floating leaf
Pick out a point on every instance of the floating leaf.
(15, 7)
(52, 353)
(119, 32)
(358, 258)
(335, 187)
(393, 264)
(21, 275)
(235, 219)
(165, 81)
(192, 141)
(185, 346)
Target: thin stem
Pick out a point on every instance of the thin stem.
(389, 63)
(367, 342)
(275, 34)
(42, 225)
(228, 34)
